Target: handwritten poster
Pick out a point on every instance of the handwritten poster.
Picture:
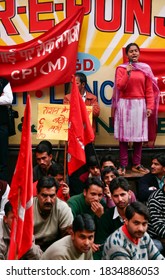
(53, 121)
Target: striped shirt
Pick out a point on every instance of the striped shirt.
(156, 206)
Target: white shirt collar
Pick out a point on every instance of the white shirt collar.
(84, 96)
(116, 214)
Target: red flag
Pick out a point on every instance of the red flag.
(21, 193)
(47, 60)
(80, 132)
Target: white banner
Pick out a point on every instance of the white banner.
(78, 270)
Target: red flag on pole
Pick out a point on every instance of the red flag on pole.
(80, 132)
(21, 193)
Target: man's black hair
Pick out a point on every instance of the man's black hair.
(47, 182)
(8, 208)
(82, 76)
(119, 182)
(83, 222)
(137, 207)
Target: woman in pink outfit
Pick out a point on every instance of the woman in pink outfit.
(135, 103)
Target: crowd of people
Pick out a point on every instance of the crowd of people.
(94, 214)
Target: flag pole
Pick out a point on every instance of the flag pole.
(65, 160)
(19, 200)
(96, 156)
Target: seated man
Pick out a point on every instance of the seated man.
(5, 227)
(57, 171)
(52, 216)
(78, 245)
(93, 169)
(131, 241)
(156, 225)
(107, 175)
(114, 217)
(106, 161)
(90, 201)
(152, 181)
(44, 159)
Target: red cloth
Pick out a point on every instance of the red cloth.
(35, 188)
(135, 89)
(47, 60)
(80, 132)
(21, 193)
(90, 100)
(60, 194)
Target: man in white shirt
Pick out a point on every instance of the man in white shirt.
(6, 98)
(4, 191)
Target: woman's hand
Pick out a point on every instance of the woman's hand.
(65, 189)
(129, 68)
(149, 112)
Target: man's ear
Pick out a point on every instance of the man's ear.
(164, 171)
(129, 194)
(84, 192)
(72, 234)
(5, 219)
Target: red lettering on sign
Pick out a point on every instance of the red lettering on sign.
(6, 17)
(71, 7)
(35, 9)
(160, 26)
(108, 25)
(135, 12)
(139, 12)
(88, 65)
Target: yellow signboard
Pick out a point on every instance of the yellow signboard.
(53, 121)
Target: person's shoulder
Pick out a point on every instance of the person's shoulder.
(58, 249)
(155, 195)
(90, 95)
(60, 203)
(35, 201)
(145, 238)
(67, 96)
(1, 228)
(107, 215)
(144, 65)
(35, 167)
(4, 81)
(116, 237)
(121, 67)
(64, 241)
(75, 197)
(147, 177)
(62, 208)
